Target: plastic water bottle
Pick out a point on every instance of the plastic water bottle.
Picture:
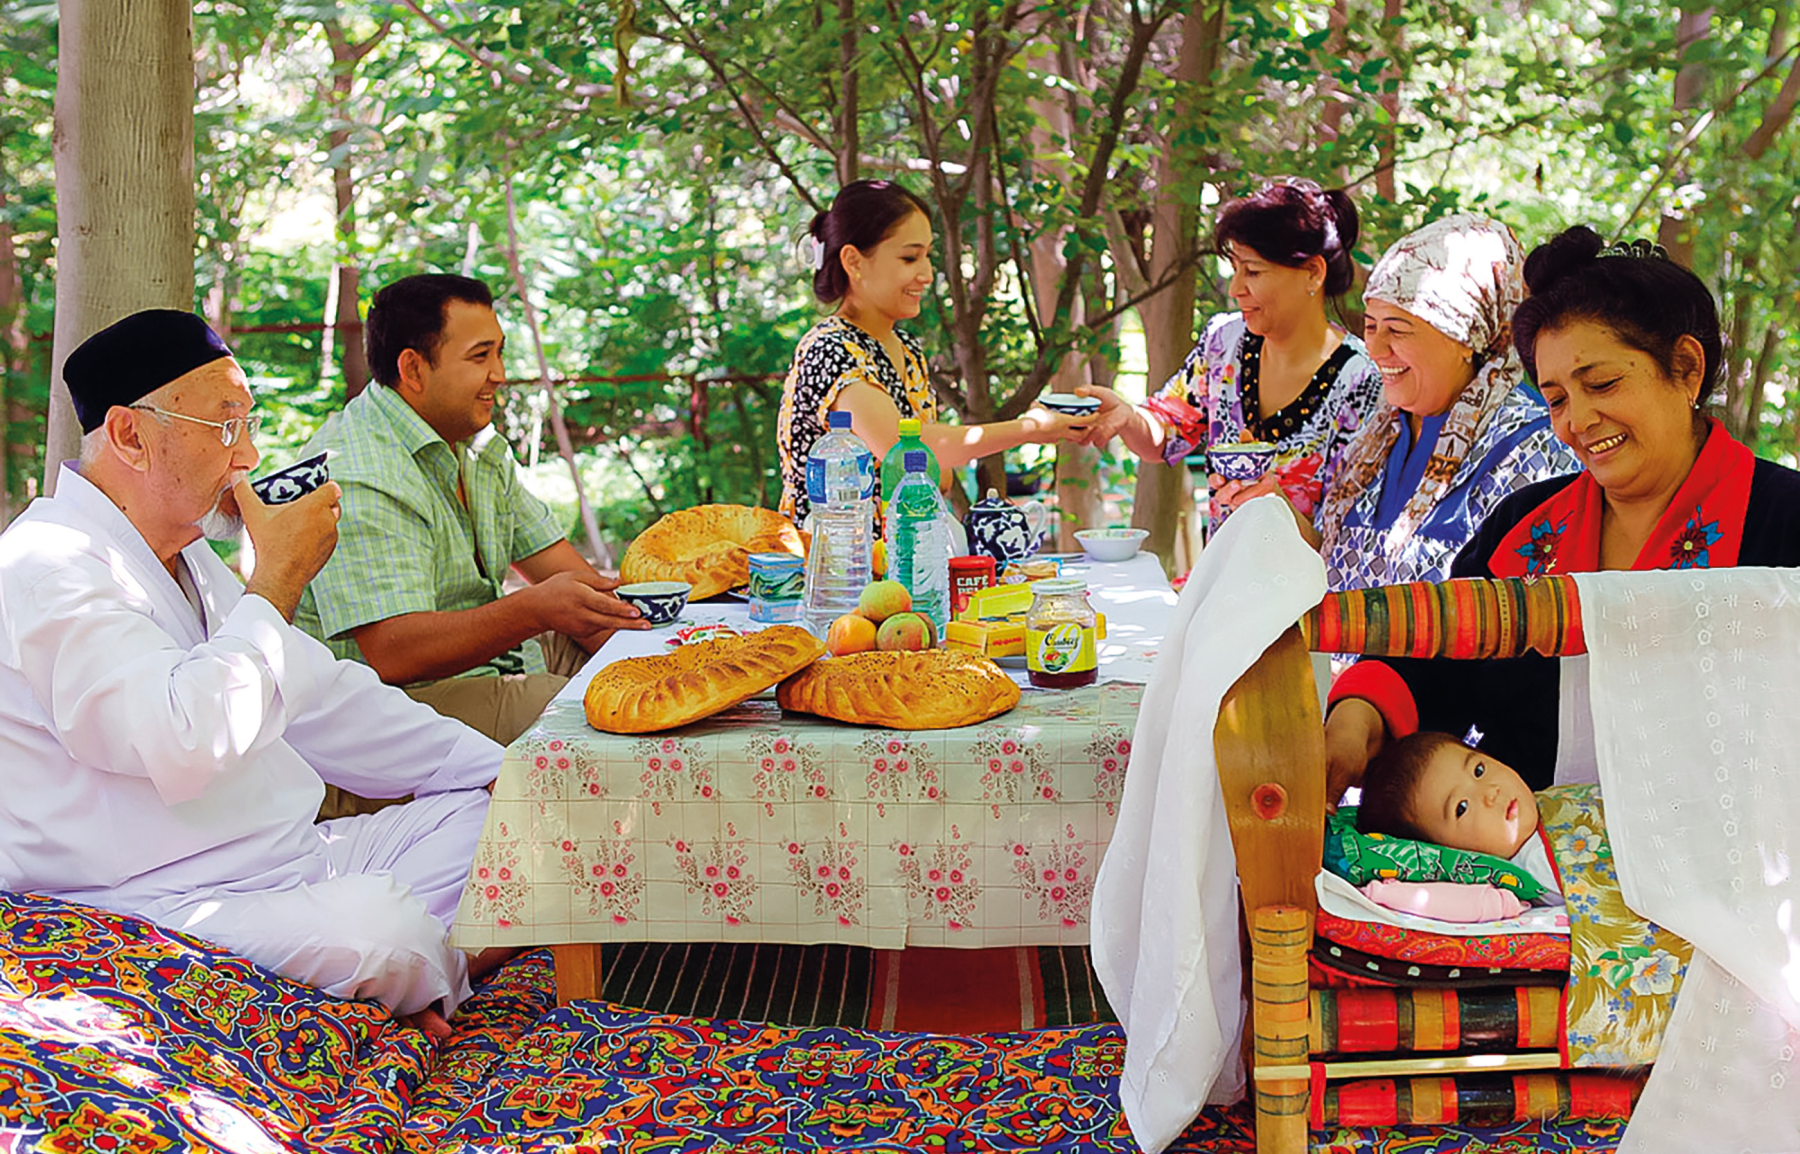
(840, 484)
(918, 540)
(893, 465)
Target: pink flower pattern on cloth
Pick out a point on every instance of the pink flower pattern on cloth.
(718, 832)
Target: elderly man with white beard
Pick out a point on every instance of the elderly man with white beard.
(166, 733)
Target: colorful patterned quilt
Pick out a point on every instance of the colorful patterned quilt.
(1623, 970)
(118, 1035)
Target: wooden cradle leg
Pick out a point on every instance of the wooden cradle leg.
(577, 971)
(1279, 939)
(1270, 742)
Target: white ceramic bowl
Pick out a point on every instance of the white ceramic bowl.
(659, 601)
(1111, 544)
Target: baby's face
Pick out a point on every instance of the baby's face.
(1467, 800)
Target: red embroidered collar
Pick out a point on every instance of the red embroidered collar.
(1702, 528)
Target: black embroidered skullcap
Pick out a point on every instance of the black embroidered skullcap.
(130, 359)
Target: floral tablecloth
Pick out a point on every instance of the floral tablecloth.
(760, 826)
(756, 825)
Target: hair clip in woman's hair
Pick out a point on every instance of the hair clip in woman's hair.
(815, 253)
(1641, 249)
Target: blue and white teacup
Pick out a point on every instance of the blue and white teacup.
(659, 601)
(1241, 460)
(293, 482)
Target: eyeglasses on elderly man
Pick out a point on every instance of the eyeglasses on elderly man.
(231, 430)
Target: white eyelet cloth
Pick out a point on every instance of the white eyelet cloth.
(1694, 680)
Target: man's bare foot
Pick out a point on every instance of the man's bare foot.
(431, 1022)
(491, 959)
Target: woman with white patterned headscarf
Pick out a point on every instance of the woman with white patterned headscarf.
(1458, 427)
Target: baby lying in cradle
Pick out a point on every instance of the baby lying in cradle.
(1431, 787)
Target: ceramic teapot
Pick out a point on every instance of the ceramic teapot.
(1004, 531)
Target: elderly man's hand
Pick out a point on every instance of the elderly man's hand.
(292, 541)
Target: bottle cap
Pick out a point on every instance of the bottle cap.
(915, 460)
(1059, 586)
(839, 419)
(909, 426)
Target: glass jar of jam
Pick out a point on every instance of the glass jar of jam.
(1060, 651)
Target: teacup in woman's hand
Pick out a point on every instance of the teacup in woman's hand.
(1241, 460)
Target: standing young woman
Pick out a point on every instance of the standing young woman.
(872, 259)
(1276, 370)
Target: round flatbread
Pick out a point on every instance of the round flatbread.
(936, 689)
(709, 547)
(647, 694)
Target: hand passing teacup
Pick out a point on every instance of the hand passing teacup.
(1240, 471)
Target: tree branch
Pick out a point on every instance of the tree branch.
(1693, 134)
(1776, 116)
(501, 68)
(1130, 71)
(563, 444)
(769, 150)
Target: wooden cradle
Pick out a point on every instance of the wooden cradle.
(1270, 747)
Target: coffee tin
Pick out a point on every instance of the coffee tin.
(777, 585)
(968, 574)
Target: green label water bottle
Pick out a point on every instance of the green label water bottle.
(893, 464)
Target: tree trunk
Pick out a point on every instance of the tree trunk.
(1676, 231)
(124, 147)
(849, 137)
(1337, 47)
(347, 323)
(12, 350)
(1077, 467)
(1163, 501)
(1388, 158)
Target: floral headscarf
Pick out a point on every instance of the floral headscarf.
(1462, 275)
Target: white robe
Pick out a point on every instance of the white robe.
(168, 763)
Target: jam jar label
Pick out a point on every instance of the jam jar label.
(1064, 647)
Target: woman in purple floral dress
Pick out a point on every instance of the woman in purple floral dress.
(1276, 370)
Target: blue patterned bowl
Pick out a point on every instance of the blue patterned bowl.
(1073, 404)
(1241, 460)
(293, 482)
(659, 601)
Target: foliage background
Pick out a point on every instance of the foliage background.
(661, 159)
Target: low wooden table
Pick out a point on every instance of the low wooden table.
(755, 825)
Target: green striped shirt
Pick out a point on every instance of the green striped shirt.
(405, 543)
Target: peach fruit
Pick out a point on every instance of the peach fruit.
(851, 633)
(880, 600)
(904, 631)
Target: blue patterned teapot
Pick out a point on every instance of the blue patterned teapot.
(1004, 531)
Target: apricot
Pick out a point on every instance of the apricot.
(880, 600)
(878, 560)
(851, 633)
(904, 631)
